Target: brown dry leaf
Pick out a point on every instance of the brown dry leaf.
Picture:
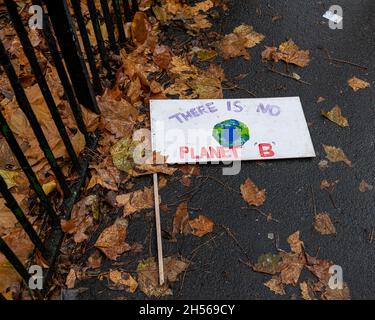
(364, 186)
(275, 285)
(201, 226)
(148, 276)
(71, 279)
(296, 245)
(112, 240)
(140, 28)
(162, 56)
(334, 154)
(22, 247)
(148, 279)
(335, 116)
(323, 224)
(251, 194)
(188, 169)
(181, 221)
(307, 292)
(336, 294)
(320, 100)
(358, 84)
(79, 222)
(236, 43)
(121, 278)
(288, 52)
(319, 268)
(95, 260)
(185, 181)
(136, 201)
(291, 267)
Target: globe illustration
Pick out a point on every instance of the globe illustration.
(231, 133)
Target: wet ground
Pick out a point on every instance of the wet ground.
(216, 272)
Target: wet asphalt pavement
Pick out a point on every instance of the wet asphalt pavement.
(216, 272)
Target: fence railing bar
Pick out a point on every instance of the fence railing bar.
(99, 37)
(127, 10)
(12, 258)
(87, 46)
(12, 204)
(119, 23)
(61, 19)
(135, 7)
(25, 106)
(109, 26)
(73, 103)
(25, 166)
(31, 57)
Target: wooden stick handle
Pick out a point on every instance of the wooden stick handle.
(158, 229)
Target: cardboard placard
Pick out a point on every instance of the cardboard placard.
(202, 131)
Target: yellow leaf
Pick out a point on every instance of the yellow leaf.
(49, 187)
(334, 154)
(358, 84)
(8, 177)
(335, 116)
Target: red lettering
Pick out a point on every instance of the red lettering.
(265, 150)
(183, 151)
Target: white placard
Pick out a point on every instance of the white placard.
(202, 131)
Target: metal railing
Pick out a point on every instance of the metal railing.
(80, 87)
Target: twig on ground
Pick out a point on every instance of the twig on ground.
(230, 233)
(288, 76)
(262, 213)
(220, 182)
(341, 61)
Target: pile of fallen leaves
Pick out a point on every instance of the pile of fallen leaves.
(286, 268)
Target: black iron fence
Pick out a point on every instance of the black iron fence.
(81, 85)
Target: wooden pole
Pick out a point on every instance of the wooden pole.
(158, 230)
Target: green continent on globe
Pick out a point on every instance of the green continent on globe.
(231, 133)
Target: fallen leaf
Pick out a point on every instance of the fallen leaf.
(122, 154)
(364, 186)
(296, 245)
(95, 260)
(201, 226)
(323, 224)
(8, 177)
(22, 247)
(136, 201)
(268, 263)
(307, 292)
(71, 279)
(275, 285)
(140, 28)
(123, 279)
(320, 100)
(358, 84)
(335, 116)
(204, 54)
(291, 267)
(49, 187)
(185, 181)
(336, 294)
(148, 276)
(251, 194)
(236, 43)
(148, 279)
(79, 222)
(162, 56)
(112, 240)
(288, 52)
(181, 221)
(334, 154)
